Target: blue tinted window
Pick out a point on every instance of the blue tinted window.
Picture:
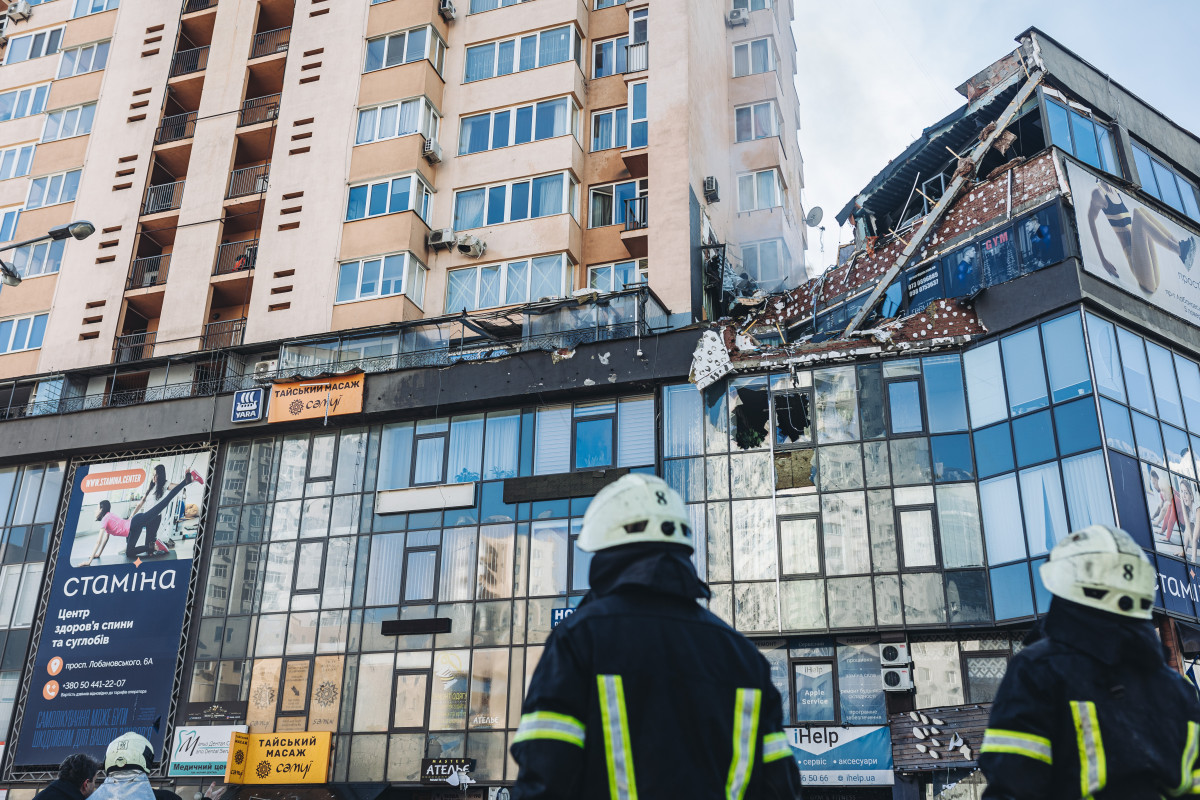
(492, 505)
(1105, 359)
(379, 199)
(519, 201)
(1040, 593)
(1023, 372)
(952, 458)
(1060, 126)
(1000, 504)
(524, 128)
(1131, 497)
(1166, 388)
(356, 207)
(966, 593)
(593, 443)
(1077, 427)
(1044, 508)
(1179, 456)
(1035, 439)
(1011, 595)
(1066, 360)
(1149, 440)
(944, 393)
(495, 205)
(1137, 373)
(1118, 432)
(1189, 383)
(993, 450)
(904, 403)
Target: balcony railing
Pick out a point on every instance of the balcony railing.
(637, 57)
(164, 197)
(223, 334)
(236, 256)
(259, 109)
(635, 213)
(148, 271)
(269, 42)
(133, 347)
(175, 128)
(197, 5)
(251, 180)
(187, 61)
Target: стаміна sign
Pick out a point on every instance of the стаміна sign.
(202, 749)
(258, 758)
(837, 756)
(248, 405)
(315, 399)
(105, 660)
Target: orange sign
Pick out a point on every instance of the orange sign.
(258, 758)
(113, 481)
(315, 399)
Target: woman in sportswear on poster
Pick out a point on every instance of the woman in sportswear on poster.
(141, 521)
(1140, 235)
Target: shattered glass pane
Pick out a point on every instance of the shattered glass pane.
(748, 412)
(793, 417)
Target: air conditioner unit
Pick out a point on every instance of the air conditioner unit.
(266, 368)
(738, 16)
(20, 10)
(897, 679)
(710, 189)
(894, 654)
(446, 9)
(433, 152)
(442, 239)
(472, 246)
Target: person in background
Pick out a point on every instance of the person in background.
(77, 779)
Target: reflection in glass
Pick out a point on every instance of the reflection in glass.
(754, 607)
(1045, 511)
(1066, 359)
(966, 596)
(1149, 439)
(1166, 388)
(1118, 432)
(686, 476)
(952, 458)
(936, 673)
(944, 393)
(277, 590)
(411, 692)
(1106, 361)
(448, 707)
(1086, 485)
(720, 554)
(837, 404)
(419, 569)
(716, 421)
(754, 540)
(495, 573)
(883, 530)
(870, 401)
(847, 606)
(985, 385)
(548, 558)
(489, 688)
(1023, 370)
(916, 538)
(904, 405)
(1011, 595)
(924, 602)
(457, 578)
(841, 467)
(593, 443)
(395, 456)
(292, 467)
(1189, 384)
(682, 432)
(1001, 506)
(750, 474)
(844, 530)
(1076, 426)
(958, 524)
(466, 449)
(887, 600)
(1034, 436)
(910, 461)
(1137, 372)
(800, 546)
(984, 674)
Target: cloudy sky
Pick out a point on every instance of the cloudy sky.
(873, 73)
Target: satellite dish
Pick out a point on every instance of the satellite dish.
(814, 217)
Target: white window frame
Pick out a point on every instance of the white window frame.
(639, 26)
(642, 189)
(569, 191)
(428, 125)
(408, 278)
(43, 258)
(58, 196)
(513, 112)
(634, 120)
(8, 332)
(75, 131)
(96, 52)
(500, 5)
(622, 129)
(105, 5)
(752, 110)
(749, 45)
(615, 41)
(10, 216)
(10, 161)
(434, 51)
(576, 45)
(781, 250)
(420, 191)
(599, 4)
(777, 183)
(641, 269)
(49, 40)
(749, 5)
(33, 94)
(565, 273)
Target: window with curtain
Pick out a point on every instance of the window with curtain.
(383, 575)
(958, 523)
(1002, 525)
(517, 125)
(491, 285)
(1166, 387)
(503, 445)
(1106, 359)
(1023, 369)
(683, 434)
(1044, 509)
(1066, 358)
(552, 443)
(374, 277)
(753, 57)
(607, 204)
(405, 193)
(758, 190)
(394, 49)
(610, 129)
(397, 119)
(466, 448)
(609, 57)
(505, 57)
(543, 196)
(757, 121)
(1086, 484)
(479, 6)
(23, 102)
(1137, 371)
(635, 432)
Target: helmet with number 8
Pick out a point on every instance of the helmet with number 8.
(129, 750)
(1102, 567)
(635, 509)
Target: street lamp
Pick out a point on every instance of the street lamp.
(80, 229)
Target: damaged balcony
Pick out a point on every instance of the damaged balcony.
(635, 236)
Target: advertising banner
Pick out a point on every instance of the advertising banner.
(260, 758)
(837, 756)
(860, 685)
(202, 750)
(316, 399)
(106, 655)
(1127, 244)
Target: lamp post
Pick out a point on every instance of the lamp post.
(81, 229)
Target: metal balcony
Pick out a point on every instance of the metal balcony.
(269, 42)
(164, 197)
(236, 256)
(148, 271)
(637, 57)
(259, 109)
(223, 334)
(176, 128)
(251, 180)
(133, 347)
(635, 213)
(188, 61)
(197, 5)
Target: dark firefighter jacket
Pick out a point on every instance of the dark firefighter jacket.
(643, 693)
(1091, 710)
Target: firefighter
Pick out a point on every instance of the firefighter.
(1090, 708)
(642, 692)
(127, 765)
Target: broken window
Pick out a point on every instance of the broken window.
(795, 469)
(748, 412)
(793, 417)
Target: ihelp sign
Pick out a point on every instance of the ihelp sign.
(837, 756)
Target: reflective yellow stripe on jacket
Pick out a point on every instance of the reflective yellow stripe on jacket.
(745, 740)
(1189, 777)
(549, 725)
(622, 784)
(1093, 766)
(775, 747)
(997, 740)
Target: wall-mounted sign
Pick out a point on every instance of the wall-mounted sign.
(837, 756)
(211, 713)
(440, 770)
(249, 405)
(258, 758)
(202, 749)
(315, 399)
(559, 615)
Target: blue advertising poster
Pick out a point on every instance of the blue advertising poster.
(106, 655)
(999, 257)
(860, 685)
(924, 285)
(249, 405)
(963, 271)
(841, 757)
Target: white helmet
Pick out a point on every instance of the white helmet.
(129, 750)
(1103, 568)
(637, 508)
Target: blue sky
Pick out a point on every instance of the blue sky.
(873, 73)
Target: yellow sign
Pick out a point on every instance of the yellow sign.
(316, 398)
(260, 758)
